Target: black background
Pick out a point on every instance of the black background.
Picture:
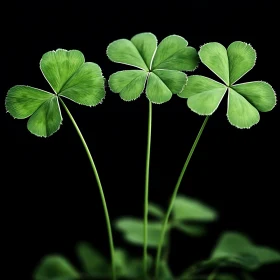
(49, 195)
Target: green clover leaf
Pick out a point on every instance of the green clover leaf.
(237, 248)
(132, 230)
(160, 66)
(244, 100)
(55, 267)
(69, 76)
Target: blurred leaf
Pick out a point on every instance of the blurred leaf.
(267, 255)
(129, 267)
(236, 248)
(155, 210)
(192, 230)
(92, 261)
(121, 257)
(134, 269)
(165, 272)
(132, 229)
(225, 276)
(244, 260)
(121, 261)
(192, 271)
(201, 269)
(55, 267)
(190, 209)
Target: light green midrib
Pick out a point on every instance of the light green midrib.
(61, 88)
(148, 68)
(48, 110)
(226, 89)
(165, 83)
(58, 69)
(209, 91)
(155, 67)
(160, 80)
(151, 67)
(231, 88)
(147, 74)
(229, 83)
(49, 100)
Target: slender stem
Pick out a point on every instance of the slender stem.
(146, 199)
(165, 254)
(110, 235)
(173, 197)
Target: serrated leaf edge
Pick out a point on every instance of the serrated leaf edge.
(275, 95)
(149, 66)
(123, 62)
(201, 46)
(7, 111)
(43, 136)
(239, 127)
(101, 100)
(247, 44)
(55, 52)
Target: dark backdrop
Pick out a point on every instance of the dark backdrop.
(49, 196)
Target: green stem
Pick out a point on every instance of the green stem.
(165, 254)
(146, 199)
(100, 190)
(165, 222)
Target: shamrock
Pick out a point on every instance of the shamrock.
(244, 100)
(69, 76)
(160, 66)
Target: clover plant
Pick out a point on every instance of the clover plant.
(161, 72)
(70, 77)
(244, 100)
(161, 66)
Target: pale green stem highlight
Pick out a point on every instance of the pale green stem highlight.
(146, 198)
(110, 235)
(173, 197)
